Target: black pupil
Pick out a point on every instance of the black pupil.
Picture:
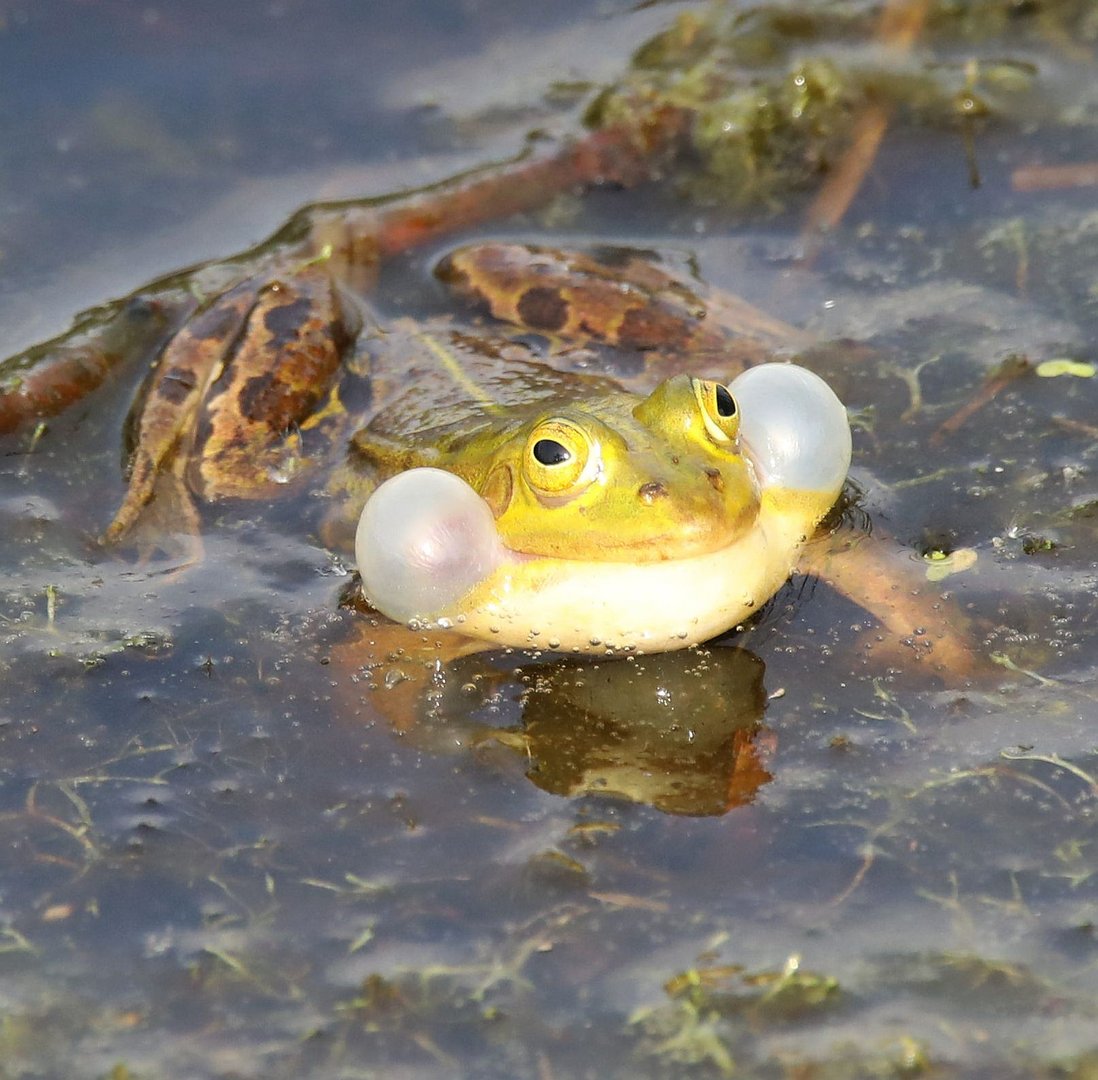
(550, 452)
(726, 403)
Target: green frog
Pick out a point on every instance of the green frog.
(516, 501)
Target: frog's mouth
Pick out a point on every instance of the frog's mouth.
(427, 539)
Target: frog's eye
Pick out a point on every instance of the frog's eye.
(560, 457)
(718, 409)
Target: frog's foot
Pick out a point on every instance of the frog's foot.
(170, 527)
(243, 372)
(917, 622)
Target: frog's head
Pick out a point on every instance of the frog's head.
(607, 520)
(614, 479)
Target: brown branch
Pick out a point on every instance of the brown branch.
(1009, 371)
(898, 29)
(1054, 177)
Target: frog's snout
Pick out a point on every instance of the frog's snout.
(654, 490)
(424, 540)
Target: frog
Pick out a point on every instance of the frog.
(596, 520)
(519, 503)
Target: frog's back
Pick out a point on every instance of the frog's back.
(435, 386)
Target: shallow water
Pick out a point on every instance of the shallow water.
(225, 855)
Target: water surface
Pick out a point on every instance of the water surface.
(225, 855)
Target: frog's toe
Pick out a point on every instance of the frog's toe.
(424, 540)
(794, 428)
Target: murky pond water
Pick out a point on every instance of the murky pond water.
(229, 852)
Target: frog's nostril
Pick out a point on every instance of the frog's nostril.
(716, 479)
(652, 491)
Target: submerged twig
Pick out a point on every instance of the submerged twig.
(1078, 427)
(1009, 371)
(1054, 177)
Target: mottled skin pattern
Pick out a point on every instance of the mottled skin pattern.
(286, 364)
(631, 306)
(237, 378)
(224, 405)
(616, 299)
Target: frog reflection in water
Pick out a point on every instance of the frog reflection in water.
(525, 505)
(681, 731)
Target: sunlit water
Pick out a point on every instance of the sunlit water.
(225, 854)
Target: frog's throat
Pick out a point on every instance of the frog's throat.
(600, 607)
(429, 555)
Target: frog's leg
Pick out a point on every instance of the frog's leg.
(285, 337)
(917, 621)
(283, 371)
(626, 302)
(170, 523)
(48, 378)
(191, 361)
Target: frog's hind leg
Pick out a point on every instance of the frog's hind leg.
(618, 299)
(233, 387)
(917, 622)
(170, 400)
(48, 378)
(283, 382)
